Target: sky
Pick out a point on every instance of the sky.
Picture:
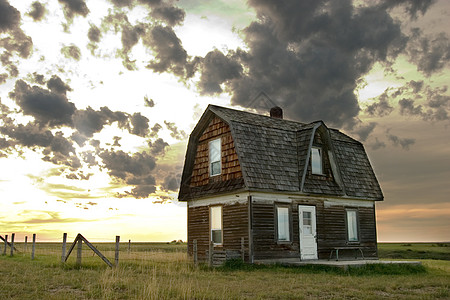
(98, 98)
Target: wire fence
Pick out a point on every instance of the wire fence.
(82, 250)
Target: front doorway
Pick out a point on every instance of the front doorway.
(307, 229)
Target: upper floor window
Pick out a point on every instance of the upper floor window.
(215, 166)
(316, 160)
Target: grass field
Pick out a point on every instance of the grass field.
(163, 271)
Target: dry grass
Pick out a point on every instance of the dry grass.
(149, 272)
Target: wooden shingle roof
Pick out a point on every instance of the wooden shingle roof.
(274, 157)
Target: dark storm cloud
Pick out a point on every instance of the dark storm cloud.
(5, 59)
(412, 7)
(168, 52)
(133, 169)
(28, 135)
(94, 34)
(36, 78)
(55, 148)
(155, 129)
(13, 39)
(377, 144)
(151, 3)
(17, 42)
(170, 183)
(381, 107)
(405, 143)
(37, 11)
(3, 77)
(174, 131)
(122, 3)
(89, 121)
(434, 107)
(149, 102)
(307, 56)
(431, 54)
(139, 125)
(9, 16)
(158, 147)
(71, 51)
(407, 107)
(130, 35)
(47, 107)
(74, 7)
(169, 14)
(56, 85)
(170, 55)
(416, 85)
(364, 130)
(217, 69)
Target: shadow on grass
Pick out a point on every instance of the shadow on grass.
(367, 270)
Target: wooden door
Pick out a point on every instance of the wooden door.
(307, 229)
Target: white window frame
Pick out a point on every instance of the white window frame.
(283, 221)
(216, 226)
(218, 143)
(315, 159)
(352, 225)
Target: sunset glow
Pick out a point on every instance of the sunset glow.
(98, 98)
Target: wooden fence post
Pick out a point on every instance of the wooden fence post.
(116, 256)
(63, 254)
(243, 248)
(211, 249)
(34, 246)
(195, 253)
(6, 244)
(26, 240)
(129, 246)
(79, 251)
(12, 243)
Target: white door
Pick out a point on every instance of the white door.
(307, 228)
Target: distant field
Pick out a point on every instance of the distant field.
(163, 271)
(414, 251)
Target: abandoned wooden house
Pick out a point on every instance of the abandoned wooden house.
(277, 189)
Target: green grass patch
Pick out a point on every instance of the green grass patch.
(233, 265)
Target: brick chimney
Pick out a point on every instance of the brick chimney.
(276, 112)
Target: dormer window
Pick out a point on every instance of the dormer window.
(215, 166)
(316, 160)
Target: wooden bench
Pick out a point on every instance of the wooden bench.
(336, 250)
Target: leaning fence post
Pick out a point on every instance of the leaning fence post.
(34, 246)
(79, 251)
(12, 244)
(6, 244)
(129, 246)
(26, 240)
(63, 254)
(116, 256)
(211, 249)
(243, 248)
(195, 253)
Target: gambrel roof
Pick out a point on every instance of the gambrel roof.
(274, 156)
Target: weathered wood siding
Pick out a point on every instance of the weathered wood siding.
(234, 227)
(231, 168)
(330, 228)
